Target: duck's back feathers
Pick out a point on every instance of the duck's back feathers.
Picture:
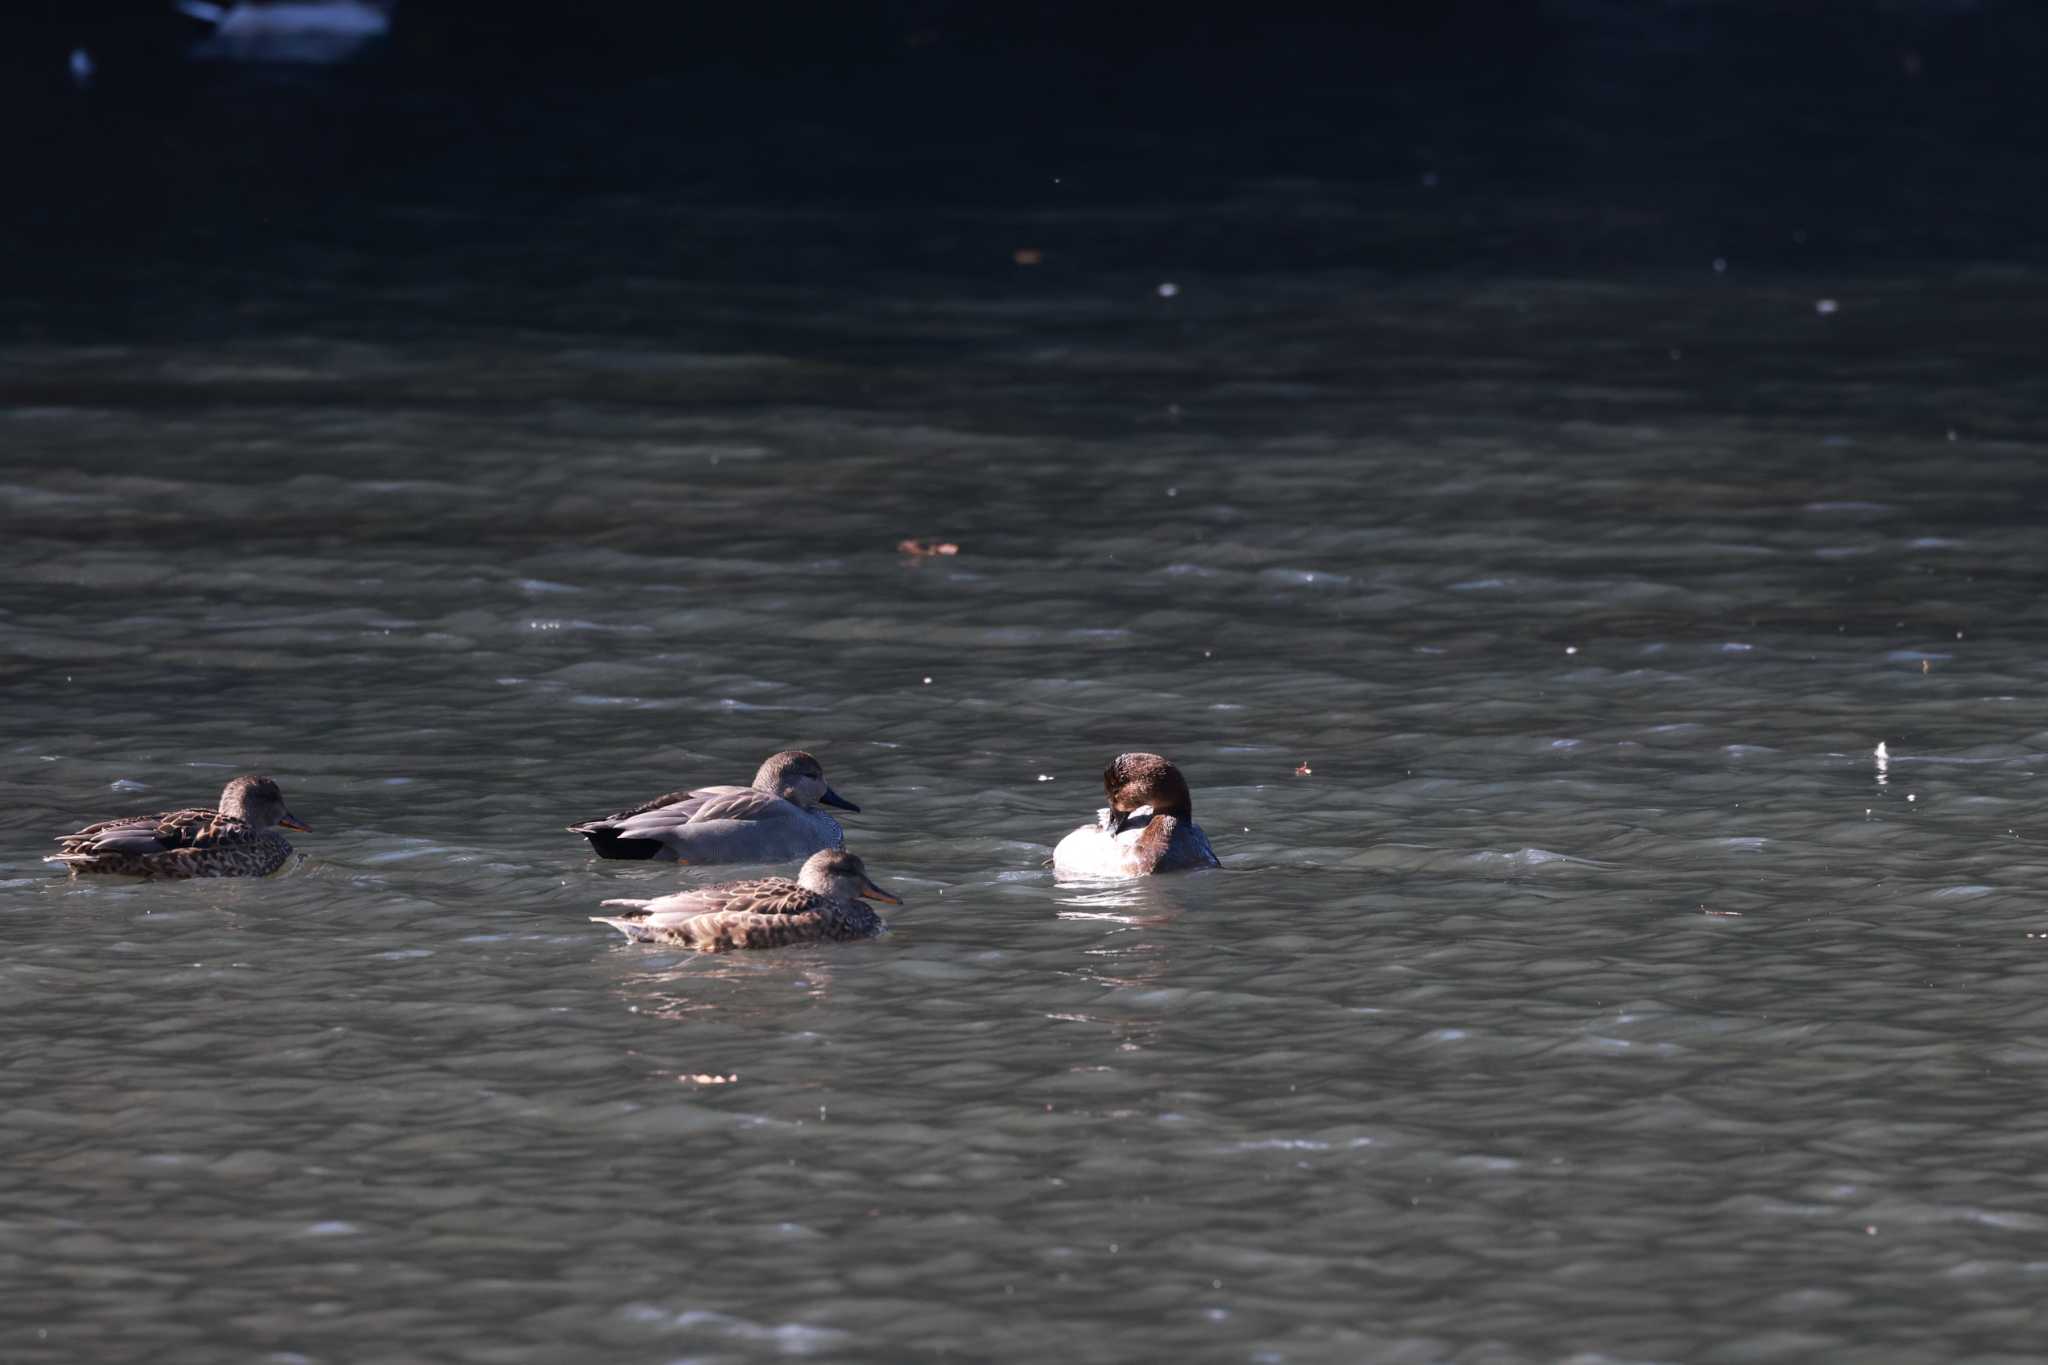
(656, 804)
(179, 843)
(608, 838)
(770, 912)
(714, 825)
(726, 803)
(757, 896)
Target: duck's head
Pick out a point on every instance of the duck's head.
(1141, 786)
(795, 776)
(257, 801)
(835, 872)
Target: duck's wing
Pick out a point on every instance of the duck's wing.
(758, 896)
(738, 805)
(829, 921)
(773, 896)
(803, 918)
(734, 803)
(666, 918)
(676, 808)
(196, 828)
(658, 803)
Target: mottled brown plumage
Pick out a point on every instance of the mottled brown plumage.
(238, 840)
(822, 905)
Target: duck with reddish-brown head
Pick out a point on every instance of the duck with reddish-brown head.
(1148, 826)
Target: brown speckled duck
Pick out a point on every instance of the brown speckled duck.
(238, 840)
(776, 818)
(822, 905)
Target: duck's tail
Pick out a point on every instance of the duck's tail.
(606, 842)
(632, 929)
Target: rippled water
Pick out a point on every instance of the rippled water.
(1576, 984)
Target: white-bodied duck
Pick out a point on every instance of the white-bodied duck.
(775, 820)
(823, 905)
(1148, 826)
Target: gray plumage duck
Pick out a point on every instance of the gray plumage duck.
(775, 820)
(823, 905)
(240, 839)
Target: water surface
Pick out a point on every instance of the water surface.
(1576, 985)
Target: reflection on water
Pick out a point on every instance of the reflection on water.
(1593, 992)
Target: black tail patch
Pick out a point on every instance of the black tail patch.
(606, 844)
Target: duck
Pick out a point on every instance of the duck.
(775, 820)
(825, 904)
(239, 839)
(1147, 827)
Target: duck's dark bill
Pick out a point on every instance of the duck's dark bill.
(1121, 820)
(833, 798)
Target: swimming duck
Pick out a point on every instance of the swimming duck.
(238, 840)
(1149, 825)
(822, 905)
(774, 820)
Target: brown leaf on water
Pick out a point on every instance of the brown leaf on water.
(1302, 769)
(920, 549)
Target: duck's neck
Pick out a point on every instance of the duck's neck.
(1154, 841)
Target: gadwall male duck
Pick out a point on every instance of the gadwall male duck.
(772, 821)
(1149, 825)
(238, 840)
(822, 905)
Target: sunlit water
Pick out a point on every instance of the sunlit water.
(1576, 982)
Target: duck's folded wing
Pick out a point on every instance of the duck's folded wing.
(733, 803)
(765, 895)
(723, 930)
(675, 809)
(713, 803)
(149, 833)
(771, 896)
(105, 826)
(658, 803)
(756, 914)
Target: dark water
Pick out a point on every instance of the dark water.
(1594, 994)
